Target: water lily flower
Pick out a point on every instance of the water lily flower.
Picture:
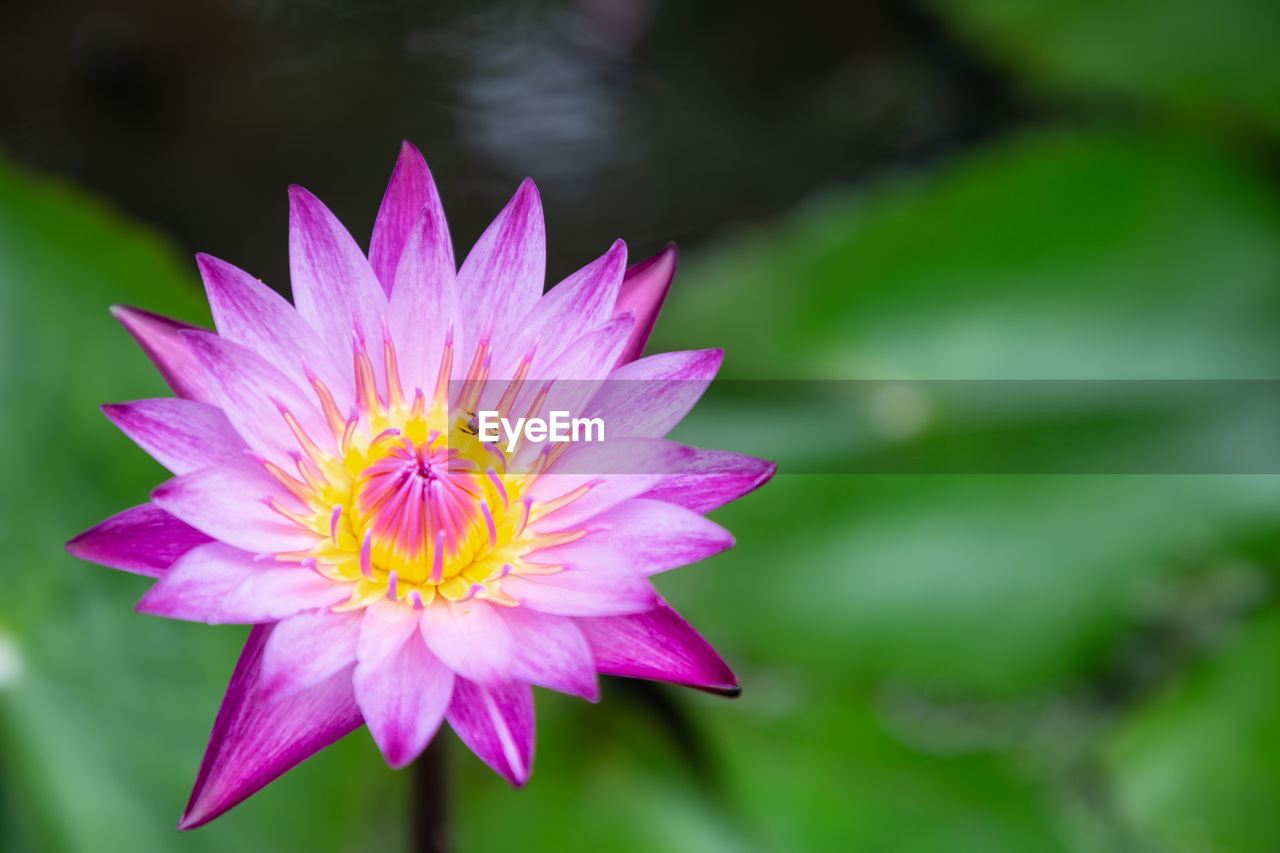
(398, 571)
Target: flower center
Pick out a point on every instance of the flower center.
(424, 509)
(413, 505)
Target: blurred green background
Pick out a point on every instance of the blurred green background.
(986, 189)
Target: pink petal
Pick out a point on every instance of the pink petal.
(145, 540)
(249, 313)
(714, 478)
(597, 591)
(613, 470)
(403, 699)
(218, 584)
(643, 291)
(252, 392)
(551, 652)
(501, 279)
(497, 724)
(253, 741)
(182, 435)
(230, 504)
(643, 536)
(410, 194)
(334, 287)
(424, 301)
(657, 644)
(384, 628)
(578, 372)
(160, 338)
(590, 356)
(646, 398)
(306, 649)
(470, 638)
(574, 307)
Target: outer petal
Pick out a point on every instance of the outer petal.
(333, 285)
(424, 302)
(574, 307)
(249, 313)
(551, 652)
(501, 279)
(570, 381)
(145, 540)
(643, 292)
(230, 504)
(590, 356)
(470, 638)
(410, 193)
(642, 536)
(306, 649)
(403, 699)
(160, 338)
(657, 644)
(216, 583)
(714, 478)
(252, 393)
(384, 628)
(595, 591)
(497, 723)
(182, 435)
(648, 397)
(254, 741)
(612, 471)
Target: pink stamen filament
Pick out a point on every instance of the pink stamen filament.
(333, 524)
(366, 556)
(437, 559)
(488, 520)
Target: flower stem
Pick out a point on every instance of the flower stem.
(429, 830)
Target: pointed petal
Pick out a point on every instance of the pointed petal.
(551, 652)
(502, 277)
(384, 628)
(218, 584)
(334, 287)
(403, 699)
(641, 536)
(714, 478)
(253, 742)
(424, 301)
(182, 435)
(410, 193)
(589, 357)
(595, 591)
(497, 724)
(643, 291)
(646, 398)
(657, 644)
(161, 340)
(251, 392)
(470, 638)
(573, 308)
(306, 649)
(145, 540)
(613, 470)
(249, 313)
(230, 504)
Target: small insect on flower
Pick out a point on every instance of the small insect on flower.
(330, 488)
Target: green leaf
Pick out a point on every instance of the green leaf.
(1197, 768)
(1047, 257)
(1206, 64)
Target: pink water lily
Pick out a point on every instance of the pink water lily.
(330, 490)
